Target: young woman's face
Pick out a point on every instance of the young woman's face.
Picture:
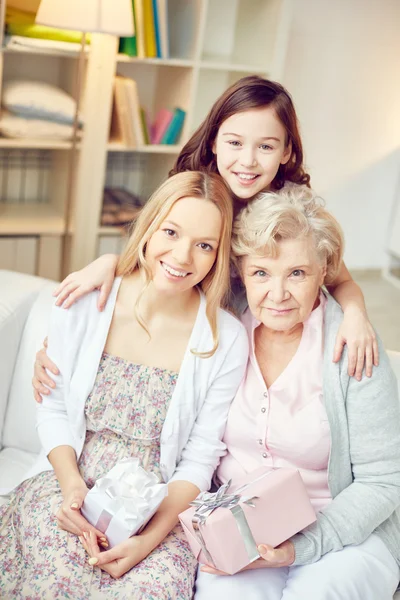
(249, 148)
(184, 248)
(282, 291)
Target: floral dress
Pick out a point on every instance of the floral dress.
(125, 413)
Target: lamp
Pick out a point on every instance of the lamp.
(114, 17)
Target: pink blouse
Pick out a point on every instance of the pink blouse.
(285, 425)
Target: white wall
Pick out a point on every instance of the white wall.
(343, 71)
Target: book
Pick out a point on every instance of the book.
(145, 125)
(157, 29)
(174, 128)
(149, 29)
(160, 125)
(138, 14)
(134, 110)
(121, 120)
(162, 19)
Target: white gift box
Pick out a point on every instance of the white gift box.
(123, 501)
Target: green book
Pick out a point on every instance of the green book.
(128, 45)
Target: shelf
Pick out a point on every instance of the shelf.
(167, 62)
(34, 144)
(111, 230)
(232, 67)
(149, 149)
(52, 52)
(30, 219)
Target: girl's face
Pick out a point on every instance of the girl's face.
(184, 248)
(249, 148)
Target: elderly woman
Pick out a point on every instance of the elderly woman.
(296, 408)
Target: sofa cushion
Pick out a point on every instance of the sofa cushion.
(18, 293)
(19, 427)
(13, 464)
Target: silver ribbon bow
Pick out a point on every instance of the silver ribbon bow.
(207, 502)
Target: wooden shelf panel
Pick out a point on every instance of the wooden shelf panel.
(150, 149)
(162, 62)
(30, 219)
(34, 144)
(54, 53)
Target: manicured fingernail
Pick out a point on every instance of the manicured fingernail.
(52, 384)
(103, 539)
(85, 535)
(74, 505)
(93, 561)
(262, 549)
(104, 544)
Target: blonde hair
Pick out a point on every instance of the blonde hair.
(215, 285)
(290, 213)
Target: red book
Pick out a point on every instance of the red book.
(160, 125)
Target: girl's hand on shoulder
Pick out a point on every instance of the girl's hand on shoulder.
(357, 332)
(99, 274)
(70, 518)
(271, 558)
(40, 377)
(120, 559)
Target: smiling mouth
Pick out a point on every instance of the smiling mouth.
(174, 272)
(246, 177)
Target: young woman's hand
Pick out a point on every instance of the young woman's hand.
(271, 558)
(99, 274)
(357, 332)
(120, 559)
(40, 377)
(69, 516)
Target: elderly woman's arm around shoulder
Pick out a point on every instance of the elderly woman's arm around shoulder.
(364, 467)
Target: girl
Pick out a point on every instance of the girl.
(251, 138)
(152, 377)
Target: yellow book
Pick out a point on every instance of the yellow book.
(138, 10)
(149, 29)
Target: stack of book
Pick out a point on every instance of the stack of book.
(130, 123)
(151, 30)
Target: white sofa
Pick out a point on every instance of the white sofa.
(25, 304)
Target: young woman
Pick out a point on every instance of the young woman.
(152, 377)
(297, 409)
(251, 138)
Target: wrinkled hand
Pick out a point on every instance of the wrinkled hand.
(99, 275)
(357, 332)
(69, 517)
(271, 558)
(120, 559)
(40, 377)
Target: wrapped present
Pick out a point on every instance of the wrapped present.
(225, 528)
(122, 502)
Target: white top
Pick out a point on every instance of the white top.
(191, 437)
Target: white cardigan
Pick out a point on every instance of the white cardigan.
(191, 437)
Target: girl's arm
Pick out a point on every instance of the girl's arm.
(356, 331)
(99, 274)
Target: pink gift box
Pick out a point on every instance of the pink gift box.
(268, 506)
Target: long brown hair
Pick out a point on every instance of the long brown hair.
(246, 94)
(193, 184)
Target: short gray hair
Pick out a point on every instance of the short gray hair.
(291, 213)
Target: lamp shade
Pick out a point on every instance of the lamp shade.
(95, 16)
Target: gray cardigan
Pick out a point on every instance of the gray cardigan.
(364, 462)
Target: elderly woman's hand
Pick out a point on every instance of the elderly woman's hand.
(357, 332)
(271, 558)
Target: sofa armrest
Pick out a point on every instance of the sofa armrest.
(18, 293)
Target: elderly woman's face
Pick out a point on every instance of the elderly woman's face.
(282, 291)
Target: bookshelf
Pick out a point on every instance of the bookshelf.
(212, 43)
